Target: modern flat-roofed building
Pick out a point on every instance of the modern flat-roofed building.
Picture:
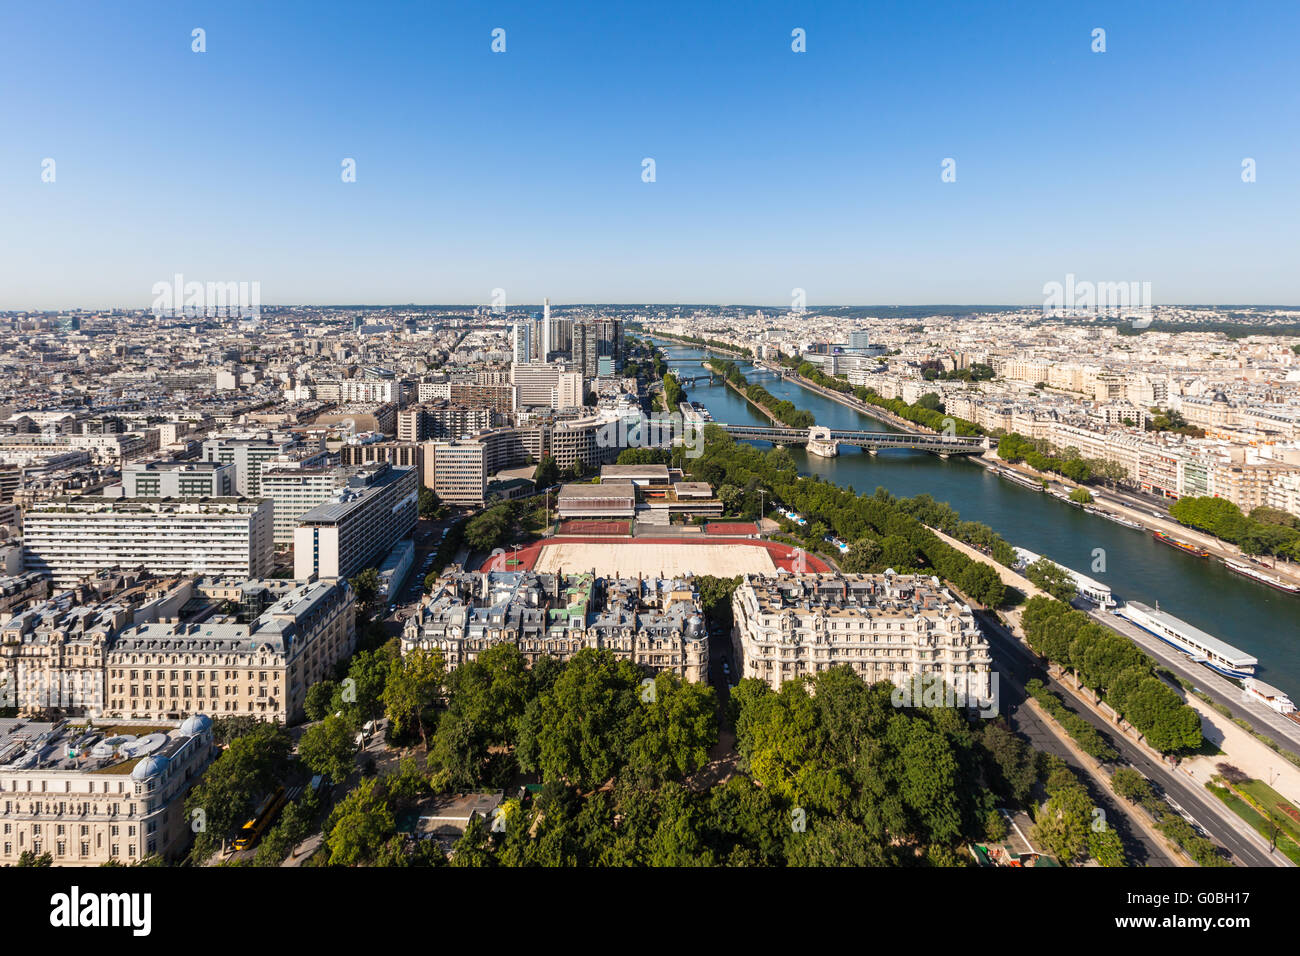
(86, 798)
(886, 627)
(179, 479)
(375, 509)
(247, 451)
(70, 538)
(295, 490)
(441, 420)
(643, 476)
(612, 499)
(460, 471)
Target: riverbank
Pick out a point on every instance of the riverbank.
(1249, 615)
(1239, 748)
(733, 353)
(1219, 549)
(848, 400)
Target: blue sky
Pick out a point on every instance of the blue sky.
(774, 170)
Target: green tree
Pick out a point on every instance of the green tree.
(320, 697)
(1053, 579)
(329, 748)
(366, 585)
(430, 504)
(548, 472)
(583, 725)
(359, 825)
(414, 683)
(863, 557)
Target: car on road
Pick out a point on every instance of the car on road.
(726, 669)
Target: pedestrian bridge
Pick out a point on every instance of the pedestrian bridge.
(872, 441)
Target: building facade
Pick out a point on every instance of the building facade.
(886, 627)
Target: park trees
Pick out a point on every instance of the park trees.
(328, 748)
(414, 683)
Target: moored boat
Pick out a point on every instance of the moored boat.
(1245, 570)
(1183, 546)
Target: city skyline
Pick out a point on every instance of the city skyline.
(775, 170)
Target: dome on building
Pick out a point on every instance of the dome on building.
(1219, 397)
(150, 766)
(195, 724)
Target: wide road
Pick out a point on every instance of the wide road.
(1246, 846)
(1013, 671)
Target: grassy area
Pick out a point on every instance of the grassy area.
(1274, 804)
(1256, 819)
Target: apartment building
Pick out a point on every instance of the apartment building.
(499, 398)
(70, 538)
(655, 623)
(460, 471)
(179, 479)
(549, 385)
(247, 452)
(375, 509)
(224, 668)
(441, 420)
(887, 627)
(295, 490)
(367, 391)
(86, 798)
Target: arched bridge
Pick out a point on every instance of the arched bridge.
(872, 441)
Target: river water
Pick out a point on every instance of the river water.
(1249, 615)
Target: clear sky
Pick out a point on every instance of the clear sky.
(522, 170)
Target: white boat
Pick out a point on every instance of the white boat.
(1199, 646)
(1118, 519)
(1255, 689)
(1089, 588)
(1257, 575)
(1020, 479)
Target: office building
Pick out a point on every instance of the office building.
(70, 538)
(375, 509)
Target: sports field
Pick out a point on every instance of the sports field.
(592, 526)
(660, 559)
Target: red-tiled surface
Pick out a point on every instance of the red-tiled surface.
(784, 556)
(731, 527)
(592, 526)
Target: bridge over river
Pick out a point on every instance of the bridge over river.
(825, 441)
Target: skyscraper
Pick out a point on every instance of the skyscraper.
(544, 353)
(521, 343)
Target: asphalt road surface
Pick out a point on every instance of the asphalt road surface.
(1011, 657)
